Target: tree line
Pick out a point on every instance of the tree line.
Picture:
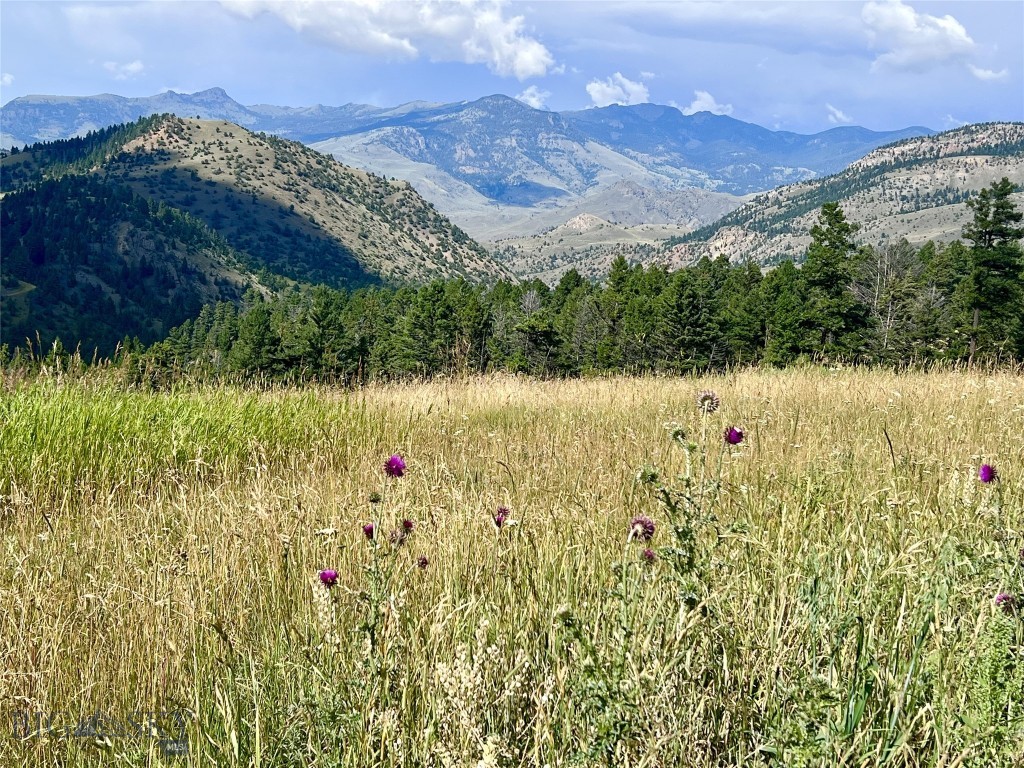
(890, 304)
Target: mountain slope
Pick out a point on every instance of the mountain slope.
(131, 229)
(915, 189)
(293, 211)
(31, 119)
(92, 263)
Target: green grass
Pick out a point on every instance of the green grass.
(161, 552)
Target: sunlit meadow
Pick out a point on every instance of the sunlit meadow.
(811, 567)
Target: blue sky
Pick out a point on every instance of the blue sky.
(800, 66)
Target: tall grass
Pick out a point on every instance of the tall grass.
(161, 552)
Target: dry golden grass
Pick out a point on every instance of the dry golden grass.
(161, 553)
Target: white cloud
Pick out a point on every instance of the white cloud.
(647, 75)
(6, 79)
(705, 102)
(987, 74)
(913, 41)
(471, 31)
(124, 71)
(617, 89)
(954, 122)
(534, 97)
(836, 116)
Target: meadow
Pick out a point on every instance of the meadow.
(823, 592)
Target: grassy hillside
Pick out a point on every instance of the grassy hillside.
(828, 598)
(913, 189)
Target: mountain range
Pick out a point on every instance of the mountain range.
(501, 168)
(915, 189)
(129, 229)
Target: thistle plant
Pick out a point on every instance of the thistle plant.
(614, 681)
(380, 570)
(691, 501)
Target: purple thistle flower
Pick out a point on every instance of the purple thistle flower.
(648, 555)
(641, 527)
(407, 526)
(1007, 602)
(422, 562)
(395, 466)
(328, 577)
(986, 473)
(733, 435)
(501, 516)
(368, 531)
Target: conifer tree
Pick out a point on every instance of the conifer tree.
(836, 319)
(784, 296)
(994, 289)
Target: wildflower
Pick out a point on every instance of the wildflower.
(707, 402)
(375, 498)
(368, 531)
(395, 466)
(422, 562)
(1007, 602)
(987, 473)
(407, 526)
(734, 435)
(648, 555)
(641, 527)
(328, 578)
(501, 516)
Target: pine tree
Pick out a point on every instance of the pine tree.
(835, 316)
(742, 314)
(784, 296)
(995, 286)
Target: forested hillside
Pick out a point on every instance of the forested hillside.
(91, 262)
(130, 230)
(892, 304)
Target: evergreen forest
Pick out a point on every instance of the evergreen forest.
(892, 304)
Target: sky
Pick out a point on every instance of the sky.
(799, 66)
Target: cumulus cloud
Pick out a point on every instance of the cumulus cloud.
(6, 79)
(534, 97)
(836, 116)
(124, 71)
(705, 102)
(988, 74)
(617, 89)
(471, 31)
(913, 41)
